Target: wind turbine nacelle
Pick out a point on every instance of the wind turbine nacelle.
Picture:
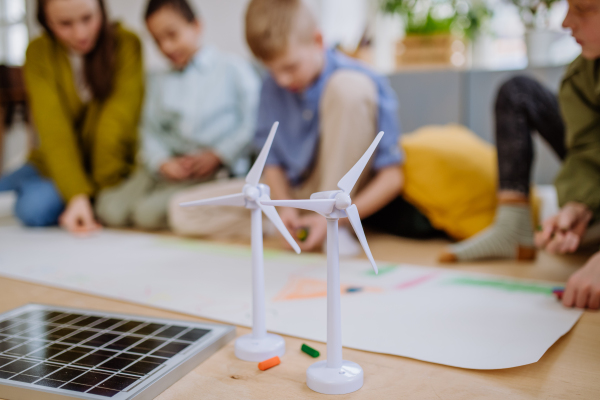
(253, 193)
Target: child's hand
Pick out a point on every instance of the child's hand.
(291, 219)
(204, 164)
(583, 287)
(562, 233)
(78, 217)
(175, 169)
(317, 231)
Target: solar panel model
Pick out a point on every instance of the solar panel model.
(49, 353)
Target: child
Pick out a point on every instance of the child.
(329, 107)
(571, 125)
(198, 118)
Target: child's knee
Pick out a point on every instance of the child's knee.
(149, 216)
(513, 90)
(179, 217)
(110, 211)
(350, 89)
(40, 208)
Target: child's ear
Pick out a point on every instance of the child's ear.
(198, 26)
(318, 39)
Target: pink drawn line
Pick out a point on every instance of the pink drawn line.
(415, 282)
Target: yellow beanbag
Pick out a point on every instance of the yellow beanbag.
(451, 177)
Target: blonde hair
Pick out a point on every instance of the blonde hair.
(270, 24)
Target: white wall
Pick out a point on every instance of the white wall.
(343, 21)
(223, 23)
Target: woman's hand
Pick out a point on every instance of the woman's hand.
(78, 217)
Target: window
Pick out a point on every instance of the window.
(13, 32)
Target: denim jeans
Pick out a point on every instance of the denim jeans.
(38, 200)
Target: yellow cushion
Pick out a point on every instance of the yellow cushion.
(451, 177)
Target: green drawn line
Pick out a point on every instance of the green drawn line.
(382, 270)
(510, 286)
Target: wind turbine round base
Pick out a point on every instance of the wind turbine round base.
(248, 348)
(347, 379)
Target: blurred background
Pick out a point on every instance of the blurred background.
(444, 58)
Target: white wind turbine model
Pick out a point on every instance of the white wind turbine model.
(259, 345)
(335, 375)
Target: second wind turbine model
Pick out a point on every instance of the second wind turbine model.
(335, 375)
(259, 345)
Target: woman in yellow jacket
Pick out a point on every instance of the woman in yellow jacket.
(84, 79)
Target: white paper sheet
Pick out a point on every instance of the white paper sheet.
(460, 319)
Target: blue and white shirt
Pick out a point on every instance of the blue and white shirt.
(295, 145)
(211, 104)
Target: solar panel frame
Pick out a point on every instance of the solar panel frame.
(49, 352)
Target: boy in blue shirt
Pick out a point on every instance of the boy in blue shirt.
(199, 118)
(330, 108)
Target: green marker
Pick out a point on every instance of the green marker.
(302, 233)
(310, 351)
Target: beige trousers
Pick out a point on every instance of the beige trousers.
(141, 201)
(348, 125)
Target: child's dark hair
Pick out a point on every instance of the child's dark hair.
(180, 6)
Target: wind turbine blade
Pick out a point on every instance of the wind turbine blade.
(324, 206)
(272, 214)
(354, 218)
(230, 200)
(255, 173)
(351, 177)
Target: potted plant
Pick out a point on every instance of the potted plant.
(436, 30)
(538, 37)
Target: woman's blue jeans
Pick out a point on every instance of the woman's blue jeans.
(38, 200)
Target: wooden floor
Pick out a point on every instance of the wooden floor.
(569, 370)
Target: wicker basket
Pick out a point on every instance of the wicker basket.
(430, 50)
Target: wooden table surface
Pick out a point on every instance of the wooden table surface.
(569, 370)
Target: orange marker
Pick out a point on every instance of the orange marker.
(270, 363)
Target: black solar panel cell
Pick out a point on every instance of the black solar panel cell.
(42, 369)
(142, 368)
(127, 326)
(66, 318)
(171, 331)
(116, 363)
(124, 342)
(103, 392)
(89, 321)
(107, 323)
(75, 387)
(92, 378)
(66, 374)
(17, 366)
(49, 383)
(93, 359)
(24, 378)
(193, 335)
(170, 349)
(118, 382)
(101, 340)
(6, 375)
(149, 329)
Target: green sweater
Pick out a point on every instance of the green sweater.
(579, 97)
(83, 148)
